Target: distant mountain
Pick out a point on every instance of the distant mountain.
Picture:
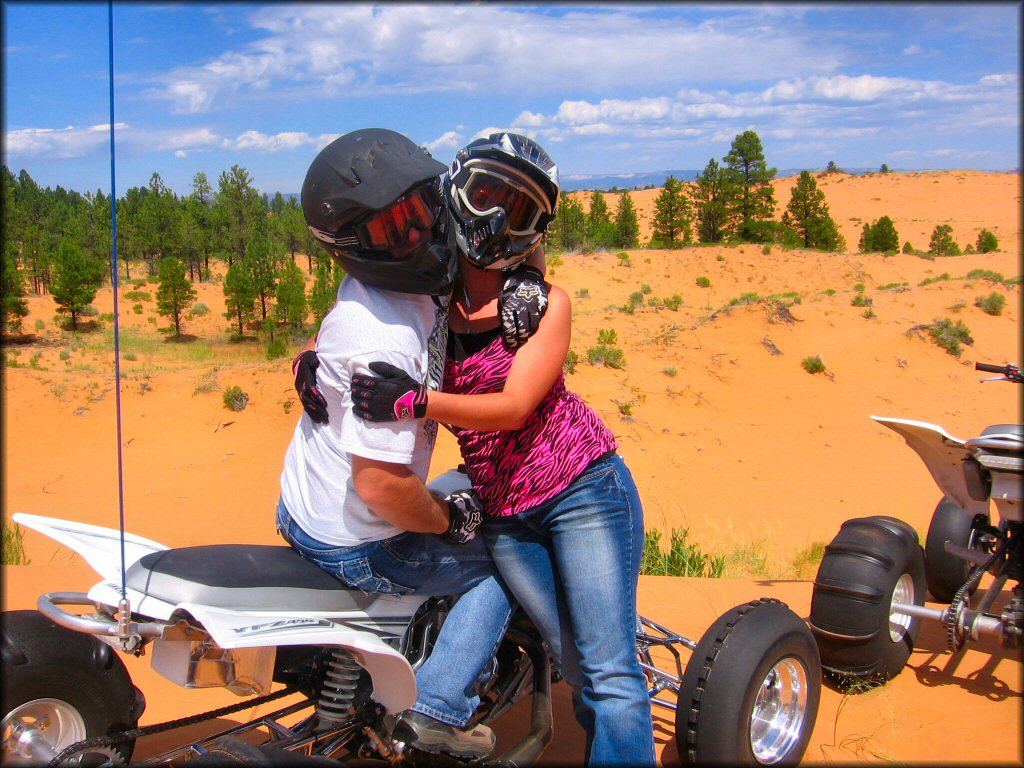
(607, 181)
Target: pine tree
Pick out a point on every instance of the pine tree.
(987, 242)
(880, 237)
(708, 196)
(672, 217)
(808, 215)
(568, 231)
(291, 295)
(239, 296)
(12, 290)
(76, 280)
(942, 242)
(600, 231)
(627, 225)
(751, 199)
(237, 211)
(261, 263)
(175, 293)
(324, 293)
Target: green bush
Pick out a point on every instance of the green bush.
(602, 354)
(277, 348)
(137, 309)
(703, 282)
(813, 364)
(985, 274)
(624, 259)
(235, 399)
(636, 299)
(950, 335)
(571, 359)
(992, 304)
(987, 242)
(907, 247)
(607, 336)
(682, 558)
(942, 242)
(673, 302)
(200, 309)
(139, 296)
(860, 300)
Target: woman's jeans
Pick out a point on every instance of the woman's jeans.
(426, 564)
(573, 564)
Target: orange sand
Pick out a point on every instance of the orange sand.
(742, 447)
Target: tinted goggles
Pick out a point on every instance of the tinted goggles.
(488, 189)
(389, 228)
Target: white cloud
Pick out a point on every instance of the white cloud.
(59, 143)
(447, 144)
(261, 142)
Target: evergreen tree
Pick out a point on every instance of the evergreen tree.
(262, 266)
(324, 293)
(751, 199)
(808, 215)
(76, 280)
(201, 210)
(12, 289)
(291, 295)
(672, 217)
(568, 231)
(708, 196)
(158, 223)
(175, 293)
(600, 231)
(880, 237)
(238, 209)
(239, 296)
(884, 168)
(942, 242)
(627, 225)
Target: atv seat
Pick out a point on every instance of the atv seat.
(244, 577)
(1005, 429)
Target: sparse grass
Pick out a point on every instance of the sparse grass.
(207, 383)
(681, 559)
(806, 561)
(813, 364)
(985, 274)
(894, 287)
(992, 304)
(937, 279)
(14, 546)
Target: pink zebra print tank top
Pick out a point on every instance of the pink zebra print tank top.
(514, 471)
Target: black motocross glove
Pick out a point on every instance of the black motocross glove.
(521, 304)
(466, 513)
(304, 368)
(391, 395)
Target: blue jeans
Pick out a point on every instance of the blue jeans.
(573, 564)
(426, 564)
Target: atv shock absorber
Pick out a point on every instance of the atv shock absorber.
(338, 691)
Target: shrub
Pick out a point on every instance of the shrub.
(942, 242)
(682, 558)
(987, 242)
(907, 247)
(277, 348)
(235, 399)
(571, 359)
(607, 336)
(860, 300)
(985, 274)
(583, 293)
(40, 324)
(14, 547)
(703, 282)
(645, 289)
(992, 304)
(602, 354)
(624, 259)
(950, 335)
(670, 371)
(200, 309)
(813, 364)
(880, 237)
(673, 302)
(137, 309)
(636, 299)
(139, 296)
(936, 279)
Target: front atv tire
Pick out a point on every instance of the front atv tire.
(59, 687)
(750, 692)
(871, 563)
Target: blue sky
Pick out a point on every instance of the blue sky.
(604, 88)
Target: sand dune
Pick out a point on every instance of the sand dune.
(727, 434)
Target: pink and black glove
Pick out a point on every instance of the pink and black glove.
(466, 512)
(304, 369)
(521, 304)
(391, 395)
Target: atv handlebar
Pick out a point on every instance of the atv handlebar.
(1010, 372)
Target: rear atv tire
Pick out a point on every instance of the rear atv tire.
(946, 573)
(63, 686)
(871, 563)
(750, 692)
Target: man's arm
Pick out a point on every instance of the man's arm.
(399, 496)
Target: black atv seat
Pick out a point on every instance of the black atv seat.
(242, 576)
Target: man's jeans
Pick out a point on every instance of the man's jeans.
(426, 564)
(573, 564)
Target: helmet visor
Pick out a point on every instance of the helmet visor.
(487, 190)
(388, 229)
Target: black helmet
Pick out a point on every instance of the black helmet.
(503, 192)
(361, 196)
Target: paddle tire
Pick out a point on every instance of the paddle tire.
(946, 573)
(750, 692)
(871, 563)
(62, 686)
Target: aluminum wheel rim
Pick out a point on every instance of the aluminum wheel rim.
(780, 709)
(899, 623)
(59, 724)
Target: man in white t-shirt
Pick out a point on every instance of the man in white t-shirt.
(353, 498)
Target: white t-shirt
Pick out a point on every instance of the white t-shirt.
(366, 324)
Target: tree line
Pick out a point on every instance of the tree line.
(728, 202)
(58, 241)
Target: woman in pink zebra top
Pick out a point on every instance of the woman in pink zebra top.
(564, 519)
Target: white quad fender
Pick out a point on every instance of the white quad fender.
(942, 454)
(394, 682)
(101, 547)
